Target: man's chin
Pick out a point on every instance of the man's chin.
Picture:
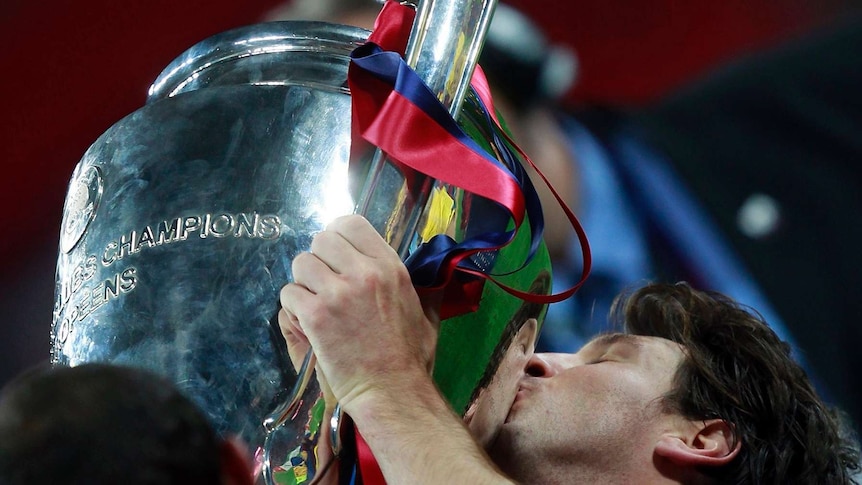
(484, 430)
(500, 448)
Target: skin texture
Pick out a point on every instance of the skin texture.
(349, 262)
(597, 406)
(353, 301)
(547, 418)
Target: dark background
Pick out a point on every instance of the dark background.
(72, 69)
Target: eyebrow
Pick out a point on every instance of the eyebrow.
(607, 339)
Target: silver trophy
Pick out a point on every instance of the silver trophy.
(182, 219)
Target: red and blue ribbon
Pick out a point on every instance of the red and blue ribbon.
(435, 145)
(394, 110)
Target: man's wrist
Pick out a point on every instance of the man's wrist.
(412, 430)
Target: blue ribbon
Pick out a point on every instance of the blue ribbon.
(427, 264)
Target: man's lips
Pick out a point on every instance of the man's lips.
(518, 396)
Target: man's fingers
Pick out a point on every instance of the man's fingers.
(352, 296)
(311, 272)
(349, 242)
(294, 336)
(335, 251)
(362, 235)
(289, 325)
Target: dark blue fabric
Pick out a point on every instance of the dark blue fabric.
(427, 264)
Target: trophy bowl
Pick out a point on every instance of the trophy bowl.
(182, 219)
(181, 222)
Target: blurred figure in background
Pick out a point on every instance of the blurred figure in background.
(100, 424)
(748, 183)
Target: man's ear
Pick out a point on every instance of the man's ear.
(704, 443)
(235, 463)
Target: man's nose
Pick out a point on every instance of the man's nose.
(539, 365)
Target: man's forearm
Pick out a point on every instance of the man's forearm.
(417, 438)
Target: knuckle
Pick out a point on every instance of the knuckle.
(316, 315)
(345, 221)
(321, 240)
(300, 261)
(285, 295)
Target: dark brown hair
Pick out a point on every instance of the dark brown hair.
(103, 424)
(737, 369)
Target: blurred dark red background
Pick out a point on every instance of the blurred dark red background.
(71, 69)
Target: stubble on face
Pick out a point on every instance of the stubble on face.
(600, 406)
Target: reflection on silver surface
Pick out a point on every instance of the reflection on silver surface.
(175, 259)
(183, 218)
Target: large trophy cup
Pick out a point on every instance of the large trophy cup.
(182, 219)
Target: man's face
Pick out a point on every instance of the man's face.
(597, 406)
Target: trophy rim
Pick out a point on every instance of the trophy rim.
(267, 38)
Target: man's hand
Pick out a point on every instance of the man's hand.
(353, 300)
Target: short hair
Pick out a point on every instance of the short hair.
(103, 424)
(737, 369)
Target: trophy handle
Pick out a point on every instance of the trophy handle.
(288, 408)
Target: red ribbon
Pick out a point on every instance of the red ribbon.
(379, 114)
